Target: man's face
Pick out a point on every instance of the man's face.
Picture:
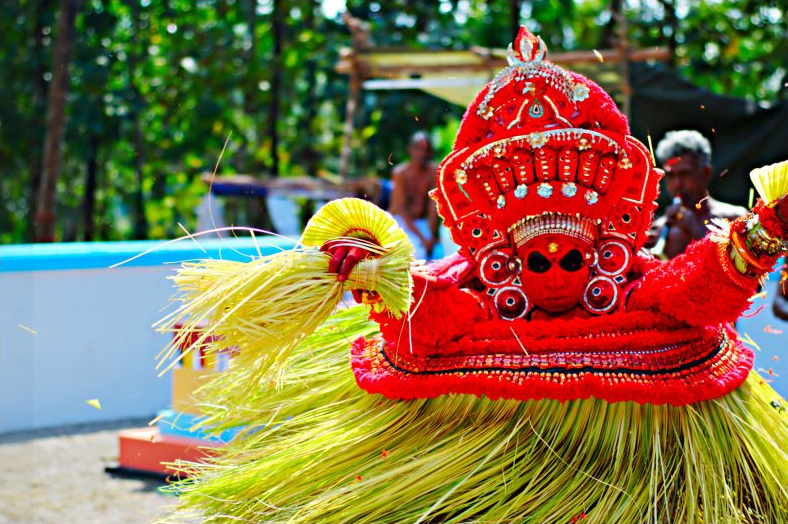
(555, 271)
(420, 151)
(685, 178)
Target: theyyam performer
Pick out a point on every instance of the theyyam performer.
(552, 371)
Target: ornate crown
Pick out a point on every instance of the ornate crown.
(540, 140)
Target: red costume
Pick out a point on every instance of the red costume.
(543, 166)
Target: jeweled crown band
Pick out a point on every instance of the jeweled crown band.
(583, 229)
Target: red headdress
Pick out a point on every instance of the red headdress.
(544, 150)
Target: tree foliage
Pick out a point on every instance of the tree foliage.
(157, 88)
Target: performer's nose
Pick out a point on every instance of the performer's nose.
(553, 279)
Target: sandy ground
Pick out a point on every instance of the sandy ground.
(57, 476)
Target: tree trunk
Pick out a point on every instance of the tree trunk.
(56, 123)
(135, 115)
(609, 35)
(310, 70)
(672, 22)
(515, 18)
(38, 101)
(252, 92)
(90, 190)
(250, 97)
(276, 81)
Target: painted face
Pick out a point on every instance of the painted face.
(555, 271)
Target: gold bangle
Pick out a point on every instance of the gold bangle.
(761, 241)
(745, 254)
(758, 238)
(728, 267)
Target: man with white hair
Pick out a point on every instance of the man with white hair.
(685, 156)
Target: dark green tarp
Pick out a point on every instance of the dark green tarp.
(743, 134)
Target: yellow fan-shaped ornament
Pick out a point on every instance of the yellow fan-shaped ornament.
(771, 182)
(262, 309)
(351, 216)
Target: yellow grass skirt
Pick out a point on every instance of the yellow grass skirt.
(320, 450)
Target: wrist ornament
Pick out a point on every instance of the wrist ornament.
(752, 249)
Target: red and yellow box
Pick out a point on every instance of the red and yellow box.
(146, 449)
(185, 382)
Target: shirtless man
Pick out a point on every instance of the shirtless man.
(685, 157)
(410, 203)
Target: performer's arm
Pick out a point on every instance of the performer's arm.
(440, 311)
(714, 279)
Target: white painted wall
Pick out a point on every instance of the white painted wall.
(94, 340)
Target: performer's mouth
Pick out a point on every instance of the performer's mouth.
(558, 303)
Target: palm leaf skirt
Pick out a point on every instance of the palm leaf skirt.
(320, 450)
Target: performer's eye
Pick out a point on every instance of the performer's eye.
(538, 263)
(572, 261)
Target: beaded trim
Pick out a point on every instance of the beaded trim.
(538, 139)
(703, 367)
(531, 227)
(575, 362)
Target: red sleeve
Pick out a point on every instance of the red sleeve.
(700, 287)
(440, 311)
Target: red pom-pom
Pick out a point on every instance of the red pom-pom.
(770, 220)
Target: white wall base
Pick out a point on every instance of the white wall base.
(94, 340)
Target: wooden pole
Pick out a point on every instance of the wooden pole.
(490, 59)
(360, 43)
(350, 119)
